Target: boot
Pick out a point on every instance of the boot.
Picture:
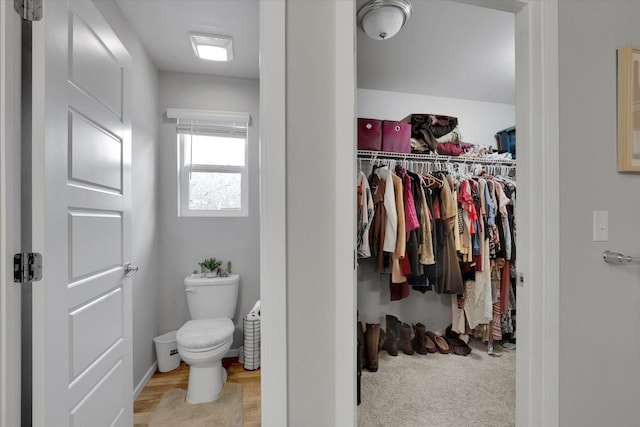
(371, 338)
(392, 335)
(405, 339)
(363, 358)
(419, 342)
(383, 336)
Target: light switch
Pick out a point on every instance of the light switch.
(600, 226)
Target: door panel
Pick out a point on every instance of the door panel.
(93, 67)
(86, 345)
(103, 405)
(95, 154)
(95, 242)
(82, 307)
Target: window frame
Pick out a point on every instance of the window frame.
(184, 169)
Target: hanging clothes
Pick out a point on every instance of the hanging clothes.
(450, 231)
(365, 208)
(451, 282)
(377, 230)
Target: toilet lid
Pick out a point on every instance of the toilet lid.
(204, 333)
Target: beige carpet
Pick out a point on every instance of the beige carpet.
(440, 390)
(173, 410)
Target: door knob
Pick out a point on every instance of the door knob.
(130, 270)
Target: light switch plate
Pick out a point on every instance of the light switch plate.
(600, 226)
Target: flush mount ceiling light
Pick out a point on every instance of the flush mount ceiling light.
(213, 48)
(382, 19)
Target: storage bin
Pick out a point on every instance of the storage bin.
(369, 134)
(167, 352)
(506, 140)
(396, 137)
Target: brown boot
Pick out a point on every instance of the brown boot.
(371, 339)
(361, 348)
(419, 342)
(405, 339)
(392, 335)
(383, 336)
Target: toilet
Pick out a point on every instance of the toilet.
(205, 339)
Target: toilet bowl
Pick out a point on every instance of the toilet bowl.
(202, 344)
(205, 339)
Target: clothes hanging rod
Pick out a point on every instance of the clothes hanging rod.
(372, 155)
(618, 258)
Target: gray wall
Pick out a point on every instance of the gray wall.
(187, 240)
(599, 316)
(144, 206)
(311, 175)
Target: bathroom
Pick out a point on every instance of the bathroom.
(164, 246)
(176, 244)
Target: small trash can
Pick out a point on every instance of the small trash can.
(167, 352)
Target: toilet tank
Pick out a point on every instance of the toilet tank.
(212, 297)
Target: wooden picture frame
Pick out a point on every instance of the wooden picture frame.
(629, 109)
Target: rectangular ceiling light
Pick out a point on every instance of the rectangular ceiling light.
(211, 47)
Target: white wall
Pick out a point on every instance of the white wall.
(186, 241)
(599, 316)
(144, 205)
(478, 123)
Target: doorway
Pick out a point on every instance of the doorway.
(537, 102)
(425, 71)
(537, 65)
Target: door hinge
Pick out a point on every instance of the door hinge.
(29, 10)
(27, 267)
(520, 279)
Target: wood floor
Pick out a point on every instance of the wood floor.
(146, 403)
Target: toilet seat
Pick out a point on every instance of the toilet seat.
(205, 334)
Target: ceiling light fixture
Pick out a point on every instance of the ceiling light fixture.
(382, 19)
(211, 47)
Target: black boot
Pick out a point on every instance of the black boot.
(392, 335)
(419, 342)
(371, 338)
(405, 339)
(363, 358)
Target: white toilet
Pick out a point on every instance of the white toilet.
(205, 339)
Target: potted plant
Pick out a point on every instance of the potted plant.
(210, 266)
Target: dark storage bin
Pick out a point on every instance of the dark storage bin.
(506, 140)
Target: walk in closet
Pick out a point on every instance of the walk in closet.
(438, 309)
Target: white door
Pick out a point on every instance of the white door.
(82, 357)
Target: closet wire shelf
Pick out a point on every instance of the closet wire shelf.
(618, 258)
(366, 154)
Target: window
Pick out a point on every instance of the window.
(212, 163)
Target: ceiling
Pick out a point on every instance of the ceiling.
(446, 48)
(163, 26)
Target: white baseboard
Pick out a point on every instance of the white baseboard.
(145, 380)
